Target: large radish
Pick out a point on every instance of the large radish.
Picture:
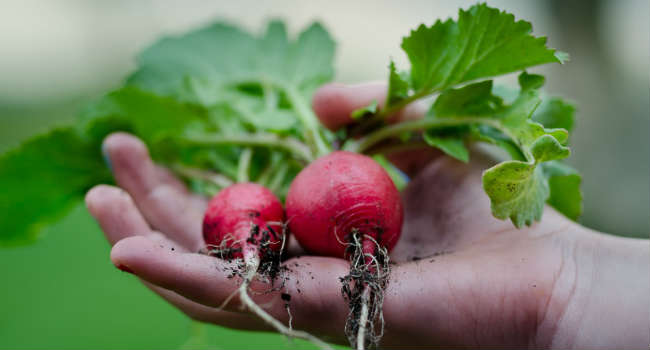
(345, 205)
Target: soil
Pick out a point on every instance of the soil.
(270, 259)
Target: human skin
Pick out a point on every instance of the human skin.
(462, 278)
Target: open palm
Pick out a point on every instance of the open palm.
(462, 277)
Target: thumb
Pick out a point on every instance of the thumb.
(334, 103)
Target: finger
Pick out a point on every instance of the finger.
(115, 212)
(119, 218)
(334, 103)
(163, 201)
(313, 283)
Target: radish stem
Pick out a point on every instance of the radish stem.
(363, 144)
(388, 111)
(216, 179)
(309, 120)
(259, 139)
(276, 180)
(265, 175)
(244, 165)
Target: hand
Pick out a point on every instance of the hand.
(463, 278)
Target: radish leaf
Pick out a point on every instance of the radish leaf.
(43, 179)
(555, 113)
(452, 146)
(483, 42)
(564, 183)
(517, 188)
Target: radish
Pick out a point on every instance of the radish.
(345, 205)
(245, 221)
(241, 216)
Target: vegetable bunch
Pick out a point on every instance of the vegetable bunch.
(220, 106)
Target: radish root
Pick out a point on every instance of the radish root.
(364, 289)
(252, 264)
(267, 267)
(363, 319)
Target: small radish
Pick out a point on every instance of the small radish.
(245, 221)
(345, 205)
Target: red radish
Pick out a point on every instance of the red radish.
(345, 205)
(245, 221)
(242, 216)
(341, 192)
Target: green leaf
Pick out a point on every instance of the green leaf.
(310, 59)
(547, 148)
(363, 111)
(275, 120)
(518, 114)
(452, 145)
(517, 190)
(564, 183)
(484, 42)
(48, 174)
(222, 58)
(399, 178)
(555, 113)
(142, 113)
(471, 100)
(219, 53)
(484, 133)
(502, 124)
(265, 119)
(221, 64)
(43, 179)
(398, 86)
(159, 120)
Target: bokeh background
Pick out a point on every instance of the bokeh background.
(55, 55)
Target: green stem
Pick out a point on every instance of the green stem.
(265, 175)
(244, 165)
(217, 179)
(309, 120)
(365, 143)
(278, 178)
(400, 147)
(388, 111)
(288, 144)
(270, 97)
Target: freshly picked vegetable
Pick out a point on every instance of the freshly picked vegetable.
(229, 112)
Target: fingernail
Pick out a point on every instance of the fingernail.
(124, 268)
(107, 158)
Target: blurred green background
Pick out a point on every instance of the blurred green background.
(56, 55)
